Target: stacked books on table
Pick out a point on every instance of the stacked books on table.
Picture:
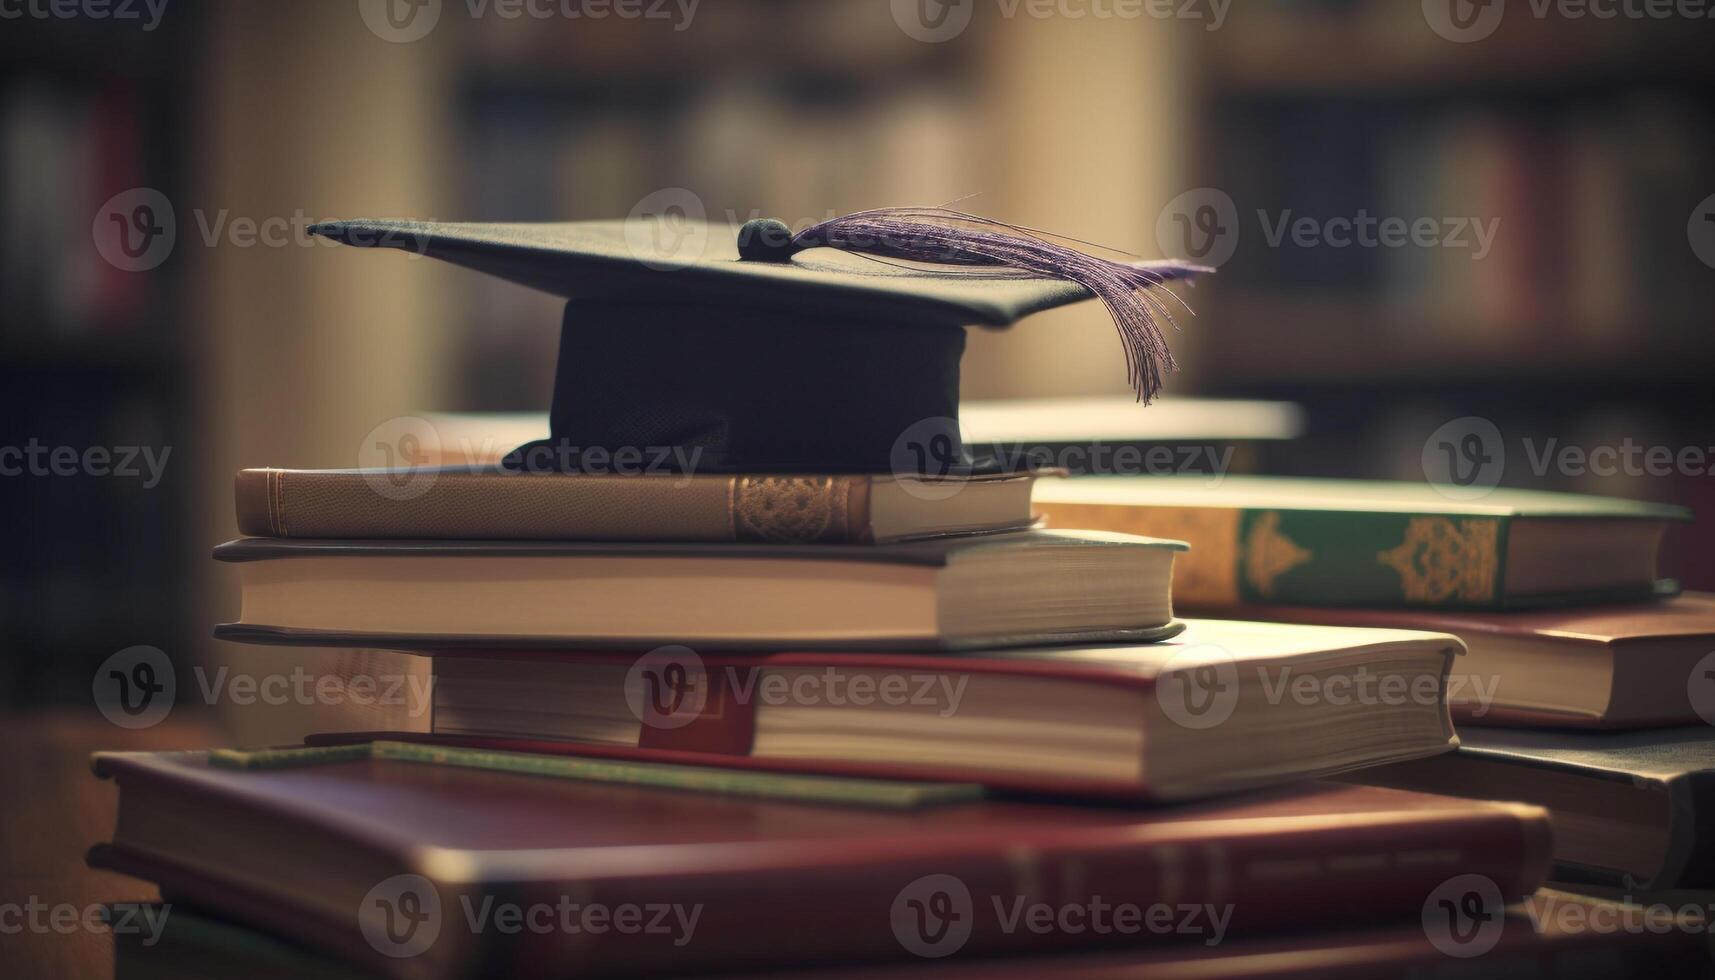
(1589, 682)
(835, 724)
(803, 705)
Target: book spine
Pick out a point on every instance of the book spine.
(861, 907)
(782, 509)
(1305, 557)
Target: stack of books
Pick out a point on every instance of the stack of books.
(758, 716)
(1588, 685)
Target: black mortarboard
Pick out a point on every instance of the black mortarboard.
(792, 358)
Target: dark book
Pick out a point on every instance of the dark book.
(985, 590)
(1611, 667)
(1549, 937)
(1629, 808)
(1221, 707)
(415, 867)
(1373, 543)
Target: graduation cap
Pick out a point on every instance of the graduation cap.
(759, 350)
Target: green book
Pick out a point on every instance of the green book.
(1295, 541)
(886, 794)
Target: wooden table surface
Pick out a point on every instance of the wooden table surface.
(54, 810)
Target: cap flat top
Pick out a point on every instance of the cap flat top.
(698, 262)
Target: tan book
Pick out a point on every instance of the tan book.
(476, 504)
(1633, 665)
(987, 590)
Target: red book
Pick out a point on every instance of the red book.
(434, 870)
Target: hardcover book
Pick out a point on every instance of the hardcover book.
(1628, 808)
(1223, 706)
(479, 503)
(1549, 935)
(1013, 589)
(1368, 543)
(1612, 666)
(400, 866)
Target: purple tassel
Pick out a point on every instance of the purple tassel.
(949, 237)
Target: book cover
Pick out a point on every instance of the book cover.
(1367, 543)
(1620, 666)
(488, 502)
(1222, 707)
(1629, 808)
(755, 883)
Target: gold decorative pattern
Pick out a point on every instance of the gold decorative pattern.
(1207, 575)
(1270, 554)
(791, 509)
(1443, 559)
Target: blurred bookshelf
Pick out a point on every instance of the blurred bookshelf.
(808, 110)
(1592, 141)
(90, 355)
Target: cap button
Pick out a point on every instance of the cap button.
(765, 240)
